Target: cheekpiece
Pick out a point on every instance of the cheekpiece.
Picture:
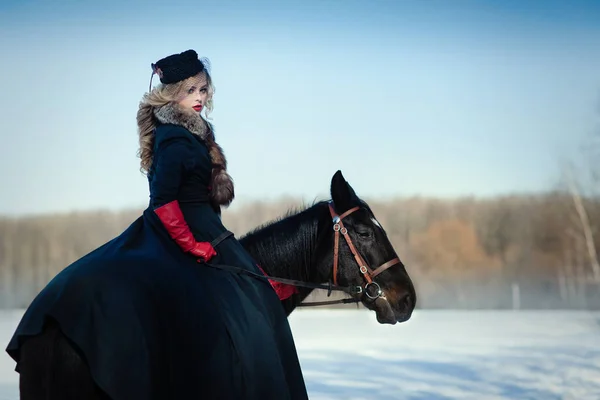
(178, 67)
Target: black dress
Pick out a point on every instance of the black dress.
(152, 322)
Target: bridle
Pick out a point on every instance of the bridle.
(371, 289)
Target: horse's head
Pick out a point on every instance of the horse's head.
(366, 257)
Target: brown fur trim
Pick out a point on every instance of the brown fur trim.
(222, 190)
(172, 113)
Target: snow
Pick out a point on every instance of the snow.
(346, 354)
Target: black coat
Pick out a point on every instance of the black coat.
(152, 322)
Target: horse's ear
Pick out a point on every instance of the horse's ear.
(342, 194)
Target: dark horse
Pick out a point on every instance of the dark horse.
(337, 245)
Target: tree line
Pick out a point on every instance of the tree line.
(514, 251)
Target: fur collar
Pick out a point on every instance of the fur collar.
(172, 113)
(221, 187)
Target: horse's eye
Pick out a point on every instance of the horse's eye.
(364, 234)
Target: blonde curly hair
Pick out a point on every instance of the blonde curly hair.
(159, 96)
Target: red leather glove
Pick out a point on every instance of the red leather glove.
(203, 250)
(172, 218)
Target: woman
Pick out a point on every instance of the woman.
(148, 315)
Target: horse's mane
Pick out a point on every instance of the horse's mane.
(275, 243)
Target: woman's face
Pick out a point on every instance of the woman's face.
(194, 94)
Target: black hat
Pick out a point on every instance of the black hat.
(178, 67)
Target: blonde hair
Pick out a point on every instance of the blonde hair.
(158, 97)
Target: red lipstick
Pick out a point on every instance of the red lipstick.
(198, 108)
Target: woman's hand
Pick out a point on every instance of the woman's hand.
(204, 250)
(172, 218)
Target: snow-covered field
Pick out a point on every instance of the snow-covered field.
(436, 355)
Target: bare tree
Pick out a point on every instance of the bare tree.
(585, 225)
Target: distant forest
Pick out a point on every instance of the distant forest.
(519, 251)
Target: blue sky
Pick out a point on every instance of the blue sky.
(436, 98)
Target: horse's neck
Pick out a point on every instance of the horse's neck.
(288, 249)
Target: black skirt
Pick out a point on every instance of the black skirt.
(153, 323)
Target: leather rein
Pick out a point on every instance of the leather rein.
(371, 289)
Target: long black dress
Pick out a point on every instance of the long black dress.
(152, 322)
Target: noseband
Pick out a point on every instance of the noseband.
(372, 289)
